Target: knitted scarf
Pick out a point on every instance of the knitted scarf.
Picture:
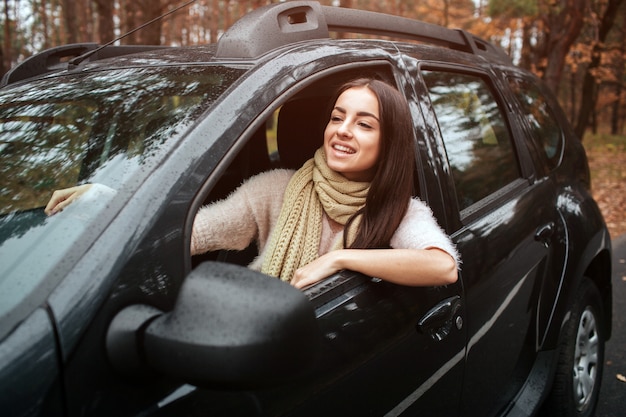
(313, 189)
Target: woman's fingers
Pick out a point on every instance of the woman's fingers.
(56, 201)
(62, 198)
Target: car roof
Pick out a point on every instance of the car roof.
(266, 29)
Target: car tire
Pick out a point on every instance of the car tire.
(581, 358)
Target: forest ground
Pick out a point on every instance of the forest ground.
(607, 162)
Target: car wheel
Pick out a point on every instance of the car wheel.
(581, 357)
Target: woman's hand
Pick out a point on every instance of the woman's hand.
(319, 269)
(63, 198)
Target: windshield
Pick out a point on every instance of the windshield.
(108, 128)
(101, 128)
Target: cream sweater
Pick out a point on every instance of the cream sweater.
(251, 211)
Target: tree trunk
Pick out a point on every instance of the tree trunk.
(526, 60)
(563, 29)
(615, 110)
(151, 34)
(228, 18)
(594, 123)
(573, 81)
(446, 13)
(86, 24)
(130, 22)
(616, 119)
(71, 21)
(214, 20)
(7, 57)
(44, 24)
(589, 94)
(104, 9)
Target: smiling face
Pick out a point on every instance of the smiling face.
(352, 136)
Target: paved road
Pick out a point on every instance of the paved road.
(613, 392)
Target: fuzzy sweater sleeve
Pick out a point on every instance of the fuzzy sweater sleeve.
(419, 230)
(247, 214)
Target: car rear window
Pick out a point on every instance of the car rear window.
(545, 131)
(475, 133)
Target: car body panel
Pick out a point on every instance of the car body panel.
(29, 368)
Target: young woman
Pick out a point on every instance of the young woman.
(349, 207)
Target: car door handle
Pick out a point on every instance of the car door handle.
(544, 233)
(438, 321)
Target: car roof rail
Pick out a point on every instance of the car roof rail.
(280, 24)
(49, 60)
(58, 59)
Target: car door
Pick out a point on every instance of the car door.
(505, 226)
(389, 349)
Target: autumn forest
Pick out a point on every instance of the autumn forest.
(577, 46)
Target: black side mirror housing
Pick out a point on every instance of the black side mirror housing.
(231, 327)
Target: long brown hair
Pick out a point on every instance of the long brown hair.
(392, 187)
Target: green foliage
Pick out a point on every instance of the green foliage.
(611, 143)
(512, 8)
(607, 157)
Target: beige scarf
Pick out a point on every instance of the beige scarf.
(314, 189)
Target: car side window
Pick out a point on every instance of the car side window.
(476, 137)
(544, 129)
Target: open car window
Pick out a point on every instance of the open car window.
(286, 139)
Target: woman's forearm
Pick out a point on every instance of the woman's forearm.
(415, 267)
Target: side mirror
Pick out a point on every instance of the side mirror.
(231, 327)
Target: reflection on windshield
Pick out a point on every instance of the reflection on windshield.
(100, 127)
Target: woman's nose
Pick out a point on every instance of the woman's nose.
(344, 129)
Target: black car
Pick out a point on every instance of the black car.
(103, 312)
